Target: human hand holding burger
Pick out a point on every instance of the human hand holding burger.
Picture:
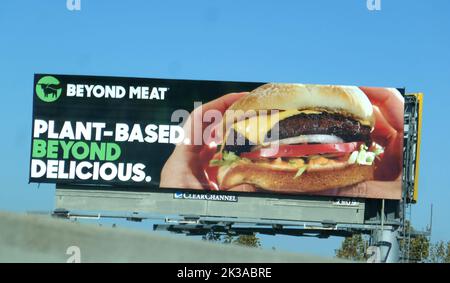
(185, 167)
(324, 141)
(388, 109)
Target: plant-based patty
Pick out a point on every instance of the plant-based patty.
(324, 124)
(307, 124)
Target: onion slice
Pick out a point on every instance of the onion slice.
(326, 139)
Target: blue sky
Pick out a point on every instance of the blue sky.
(406, 44)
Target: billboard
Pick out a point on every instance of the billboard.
(271, 138)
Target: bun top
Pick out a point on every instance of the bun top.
(345, 100)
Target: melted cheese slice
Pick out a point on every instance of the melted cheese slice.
(255, 128)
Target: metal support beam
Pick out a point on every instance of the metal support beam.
(387, 241)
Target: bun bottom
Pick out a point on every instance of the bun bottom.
(283, 181)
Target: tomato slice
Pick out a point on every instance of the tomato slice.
(302, 150)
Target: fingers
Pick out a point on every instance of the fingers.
(220, 104)
(203, 124)
(390, 103)
(388, 110)
(208, 117)
(391, 165)
(383, 131)
(223, 103)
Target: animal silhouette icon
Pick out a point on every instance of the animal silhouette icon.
(50, 89)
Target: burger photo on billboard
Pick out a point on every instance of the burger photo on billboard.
(297, 139)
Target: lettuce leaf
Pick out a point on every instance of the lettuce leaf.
(363, 156)
(300, 171)
(228, 158)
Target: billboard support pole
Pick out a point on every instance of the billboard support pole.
(387, 242)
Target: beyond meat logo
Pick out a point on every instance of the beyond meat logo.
(48, 89)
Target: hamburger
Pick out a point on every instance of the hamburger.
(295, 138)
